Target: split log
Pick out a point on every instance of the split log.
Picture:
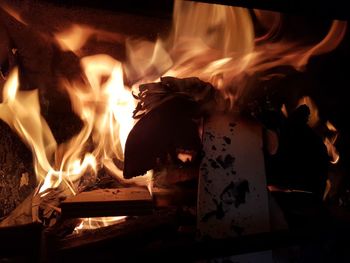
(108, 202)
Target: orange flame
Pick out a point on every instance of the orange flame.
(217, 44)
(75, 37)
(330, 144)
(213, 42)
(284, 110)
(16, 15)
(21, 111)
(314, 117)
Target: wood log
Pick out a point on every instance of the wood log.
(108, 202)
(117, 240)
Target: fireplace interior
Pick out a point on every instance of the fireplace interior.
(212, 131)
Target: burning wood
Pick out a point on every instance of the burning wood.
(96, 90)
(108, 202)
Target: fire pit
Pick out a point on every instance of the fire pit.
(173, 123)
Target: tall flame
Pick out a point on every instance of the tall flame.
(21, 111)
(217, 44)
(213, 42)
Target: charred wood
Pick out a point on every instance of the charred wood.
(159, 134)
(167, 126)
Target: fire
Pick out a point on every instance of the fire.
(105, 107)
(330, 143)
(21, 111)
(217, 44)
(329, 140)
(213, 42)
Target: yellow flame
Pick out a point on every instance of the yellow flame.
(331, 127)
(76, 36)
(217, 44)
(97, 222)
(110, 102)
(21, 111)
(213, 42)
(73, 38)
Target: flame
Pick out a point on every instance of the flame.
(97, 222)
(106, 106)
(213, 42)
(330, 42)
(270, 21)
(21, 111)
(330, 143)
(284, 110)
(184, 157)
(217, 44)
(76, 36)
(314, 116)
(12, 12)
